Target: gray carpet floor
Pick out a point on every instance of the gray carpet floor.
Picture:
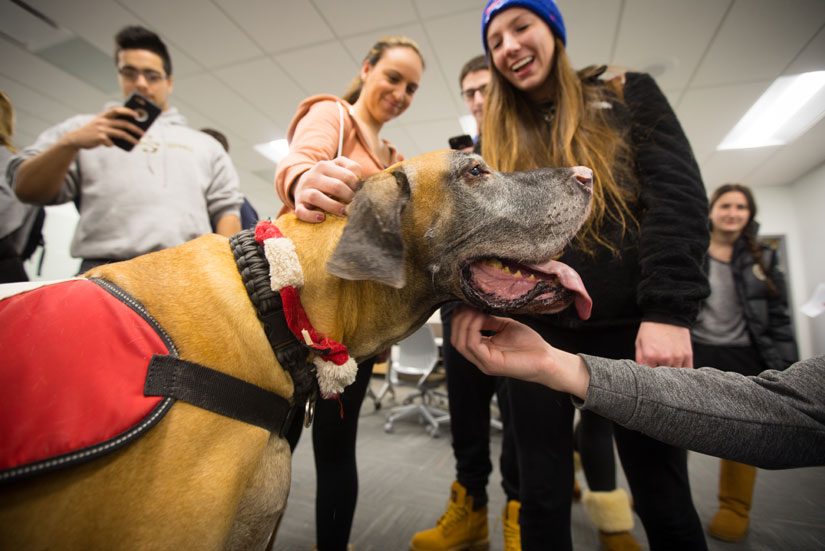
(405, 478)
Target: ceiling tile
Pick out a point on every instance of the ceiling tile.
(261, 82)
(757, 40)
(452, 53)
(323, 69)
(436, 9)
(230, 112)
(29, 99)
(733, 165)
(279, 26)
(358, 16)
(791, 162)
(200, 29)
(681, 31)
(28, 69)
(812, 58)
(109, 18)
(591, 30)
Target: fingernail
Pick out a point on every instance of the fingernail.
(320, 217)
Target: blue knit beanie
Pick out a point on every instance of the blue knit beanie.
(547, 10)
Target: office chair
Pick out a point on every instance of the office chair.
(412, 363)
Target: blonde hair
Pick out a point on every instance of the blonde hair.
(6, 121)
(374, 55)
(516, 135)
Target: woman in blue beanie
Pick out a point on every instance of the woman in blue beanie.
(640, 256)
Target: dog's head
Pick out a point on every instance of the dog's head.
(485, 237)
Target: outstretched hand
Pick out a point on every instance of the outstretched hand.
(328, 186)
(515, 350)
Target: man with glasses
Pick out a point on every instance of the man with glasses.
(174, 185)
(474, 77)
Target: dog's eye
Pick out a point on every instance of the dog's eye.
(477, 170)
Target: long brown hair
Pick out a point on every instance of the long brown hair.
(374, 55)
(6, 122)
(516, 135)
(749, 232)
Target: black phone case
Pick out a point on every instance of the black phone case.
(148, 111)
(460, 142)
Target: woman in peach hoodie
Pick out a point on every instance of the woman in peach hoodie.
(333, 144)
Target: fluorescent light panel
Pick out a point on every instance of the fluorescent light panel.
(787, 109)
(274, 150)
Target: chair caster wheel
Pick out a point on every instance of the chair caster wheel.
(432, 431)
(387, 427)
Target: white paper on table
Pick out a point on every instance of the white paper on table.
(816, 304)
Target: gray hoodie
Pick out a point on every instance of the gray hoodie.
(169, 189)
(773, 420)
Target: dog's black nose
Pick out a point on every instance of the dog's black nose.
(584, 176)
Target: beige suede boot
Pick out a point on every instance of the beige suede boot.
(736, 481)
(611, 513)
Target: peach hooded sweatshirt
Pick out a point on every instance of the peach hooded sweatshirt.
(313, 136)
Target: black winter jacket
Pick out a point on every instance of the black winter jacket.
(766, 316)
(658, 275)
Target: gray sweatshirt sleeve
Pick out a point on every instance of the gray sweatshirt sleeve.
(774, 420)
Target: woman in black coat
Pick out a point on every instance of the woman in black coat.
(744, 325)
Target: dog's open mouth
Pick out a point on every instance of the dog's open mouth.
(510, 287)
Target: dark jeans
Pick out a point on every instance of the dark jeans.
(542, 425)
(11, 265)
(470, 391)
(334, 431)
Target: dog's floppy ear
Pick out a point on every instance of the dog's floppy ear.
(371, 247)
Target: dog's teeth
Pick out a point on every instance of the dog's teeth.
(531, 277)
(506, 269)
(518, 273)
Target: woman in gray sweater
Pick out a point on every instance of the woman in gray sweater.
(774, 420)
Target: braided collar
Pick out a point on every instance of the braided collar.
(272, 280)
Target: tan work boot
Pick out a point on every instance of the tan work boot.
(511, 527)
(459, 528)
(610, 512)
(736, 481)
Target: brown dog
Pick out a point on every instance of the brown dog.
(432, 229)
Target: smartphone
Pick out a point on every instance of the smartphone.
(146, 111)
(461, 142)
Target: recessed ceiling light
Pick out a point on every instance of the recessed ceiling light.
(274, 150)
(787, 109)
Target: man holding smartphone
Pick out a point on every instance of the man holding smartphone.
(159, 188)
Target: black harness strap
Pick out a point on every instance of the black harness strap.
(218, 392)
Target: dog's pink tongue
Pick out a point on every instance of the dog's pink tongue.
(570, 280)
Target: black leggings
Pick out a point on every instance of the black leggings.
(334, 431)
(543, 428)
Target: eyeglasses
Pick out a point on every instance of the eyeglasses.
(470, 93)
(131, 74)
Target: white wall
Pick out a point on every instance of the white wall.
(58, 230)
(796, 211)
(809, 210)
